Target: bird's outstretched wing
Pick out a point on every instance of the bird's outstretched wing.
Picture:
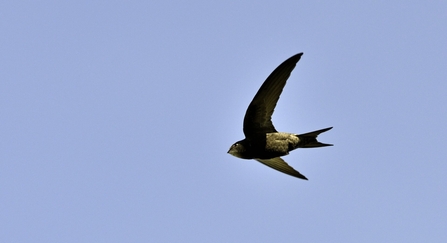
(258, 118)
(280, 165)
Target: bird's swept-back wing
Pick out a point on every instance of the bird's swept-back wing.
(280, 165)
(259, 113)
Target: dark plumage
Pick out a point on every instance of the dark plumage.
(262, 142)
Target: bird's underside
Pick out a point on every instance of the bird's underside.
(262, 142)
(280, 144)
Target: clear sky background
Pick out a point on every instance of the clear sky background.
(116, 118)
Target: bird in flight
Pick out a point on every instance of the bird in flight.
(262, 142)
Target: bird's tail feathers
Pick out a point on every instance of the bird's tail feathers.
(309, 140)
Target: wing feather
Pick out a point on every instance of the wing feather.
(258, 118)
(280, 165)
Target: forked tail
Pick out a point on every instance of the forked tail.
(309, 140)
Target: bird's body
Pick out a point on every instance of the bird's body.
(262, 142)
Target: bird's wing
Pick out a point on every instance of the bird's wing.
(280, 165)
(258, 118)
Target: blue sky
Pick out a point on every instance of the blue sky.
(116, 118)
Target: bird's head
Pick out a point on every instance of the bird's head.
(238, 149)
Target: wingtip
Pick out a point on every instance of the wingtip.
(297, 175)
(297, 56)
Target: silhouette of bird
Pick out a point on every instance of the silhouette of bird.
(262, 142)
